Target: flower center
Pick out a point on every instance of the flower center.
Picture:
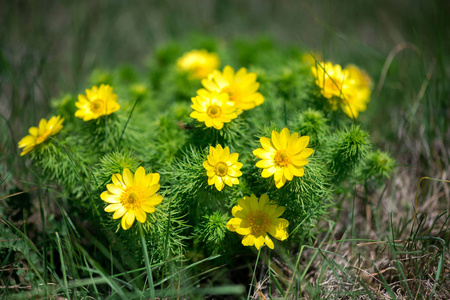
(132, 198)
(98, 106)
(258, 222)
(221, 169)
(282, 158)
(214, 111)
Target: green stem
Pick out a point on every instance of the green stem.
(147, 262)
(254, 272)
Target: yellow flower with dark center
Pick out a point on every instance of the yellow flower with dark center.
(131, 196)
(283, 156)
(212, 108)
(222, 167)
(254, 219)
(199, 63)
(96, 103)
(240, 86)
(40, 134)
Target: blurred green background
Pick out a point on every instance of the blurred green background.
(48, 48)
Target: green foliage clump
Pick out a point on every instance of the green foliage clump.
(111, 163)
(378, 166)
(211, 232)
(347, 149)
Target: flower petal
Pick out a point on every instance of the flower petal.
(248, 240)
(141, 216)
(268, 241)
(128, 177)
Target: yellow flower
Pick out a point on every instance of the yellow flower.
(351, 85)
(357, 95)
(330, 78)
(241, 87)
(222, 167)
(40, 134)
(132, 197)
(199, 63)
(212, 108)
(283, 156)
(254, 219)
(96, 103)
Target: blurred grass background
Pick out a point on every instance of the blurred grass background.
(48, 48)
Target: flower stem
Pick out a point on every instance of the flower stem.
(254, 271)
(147, 262)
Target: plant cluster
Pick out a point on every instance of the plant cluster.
(189, 156)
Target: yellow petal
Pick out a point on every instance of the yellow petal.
(233, 157)
(253, 201)
(299, 160)
(288, 174)
(278, 174)
(276, 140)
(118, 180)
(248, 240)
(302, 142)
(268, 172)
(148, 208)
(33, 131)
(151, 190)
(307, 152)
(154, 178)
(276, 212)
(284, 137)
(119, 213)
(266, 163)
(263, 201)
(105, 196)
(114, 189)
(264, 154)
(129, 218)
(139, 177)
(266, 143)
(292, 143)
(259, 242)
(268, 241)
(128, 177)
(243, 231)
(113, 207)
(154, 200)
(280, 182)
(141, 216)
(219, 183)
(228, 74)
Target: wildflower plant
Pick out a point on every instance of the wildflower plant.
(255, 218)
(222, 167)
(40, 134)
(348, 89)
(131, 196)
(180, 156)
(283, 156)
(98, 101)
